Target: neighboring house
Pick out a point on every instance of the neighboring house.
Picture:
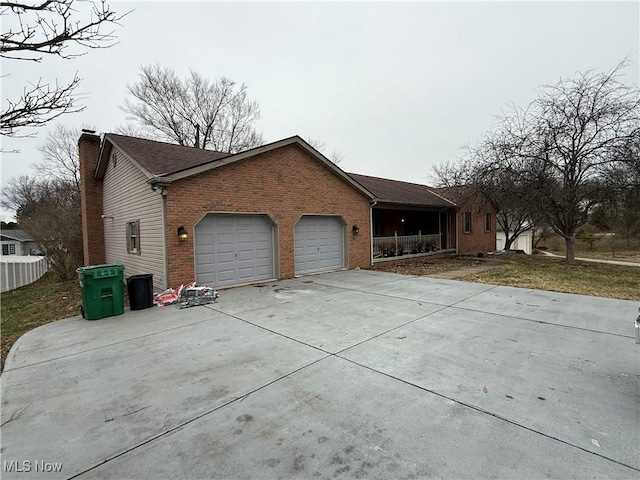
(18, 242)
(476, 219)
(275, 211)
(524, 241)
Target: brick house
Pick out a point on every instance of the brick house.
(275, 211)
(185, 214)
(476, 219)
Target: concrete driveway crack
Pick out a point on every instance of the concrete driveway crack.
(492, 414)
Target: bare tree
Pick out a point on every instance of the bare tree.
(60, 156)
(34, 30)
(496, 173)
(47, 204)
(566, 139)
(195, 112)
(549, 162)
(490, 169)
(619, 212)
(49, 210)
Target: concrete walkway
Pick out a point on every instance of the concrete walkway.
(596, 260)
(354, 374)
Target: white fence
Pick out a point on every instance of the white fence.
(18, 271)
(403, 245)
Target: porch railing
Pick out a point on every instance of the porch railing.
(402, 245)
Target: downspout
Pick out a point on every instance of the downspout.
(373, 204)
(164, 241)
(162, 189)
(457, 234)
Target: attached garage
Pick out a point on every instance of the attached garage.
(234, 248)
(319, 244)
(271, 212)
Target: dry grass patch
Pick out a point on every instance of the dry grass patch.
(554, 274)
(26, 308)
(426, 265)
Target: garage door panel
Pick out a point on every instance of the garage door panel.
(318, 244)
(225, 238)
(226, 276)
(246, 256)
(241, 246)
(206, 262)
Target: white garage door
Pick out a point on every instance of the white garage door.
(319, 244)
(232, 249)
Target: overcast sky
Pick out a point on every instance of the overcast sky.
(396, 87)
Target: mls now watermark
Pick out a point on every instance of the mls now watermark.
(28, 466)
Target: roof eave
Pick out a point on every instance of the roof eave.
(382, 203)
(105, 152)
(169, 178)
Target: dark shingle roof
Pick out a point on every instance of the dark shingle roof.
(395, 191)
(19, 235)
(457, 194)
(160, 158)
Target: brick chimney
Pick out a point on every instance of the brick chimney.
(91, 199)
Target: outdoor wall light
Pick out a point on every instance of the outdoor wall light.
(182, 233)
(355, 230)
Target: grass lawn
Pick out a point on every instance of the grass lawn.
(548, 273)
(26, 308)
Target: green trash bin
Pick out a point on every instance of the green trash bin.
(102, 290)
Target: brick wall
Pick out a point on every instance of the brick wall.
(480, 239)
(285, 184)
(91, 200)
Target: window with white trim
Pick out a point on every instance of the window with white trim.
(9, 249)
(133, 237)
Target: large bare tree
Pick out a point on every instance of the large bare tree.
(555, 156)
(196, 112)
(567, 139)
(60, 159)
(33, 30)
(47, 204)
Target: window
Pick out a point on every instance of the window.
(467, 222)
(487, 222)
(133, 237)
(9, 249)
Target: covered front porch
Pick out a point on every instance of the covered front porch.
(399, 231)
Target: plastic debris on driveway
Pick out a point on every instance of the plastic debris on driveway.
(190, 295)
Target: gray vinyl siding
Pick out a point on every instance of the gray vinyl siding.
(129, 198)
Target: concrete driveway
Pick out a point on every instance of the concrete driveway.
(354, 374)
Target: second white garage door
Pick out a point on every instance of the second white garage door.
(319, 244)
(233, 249)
